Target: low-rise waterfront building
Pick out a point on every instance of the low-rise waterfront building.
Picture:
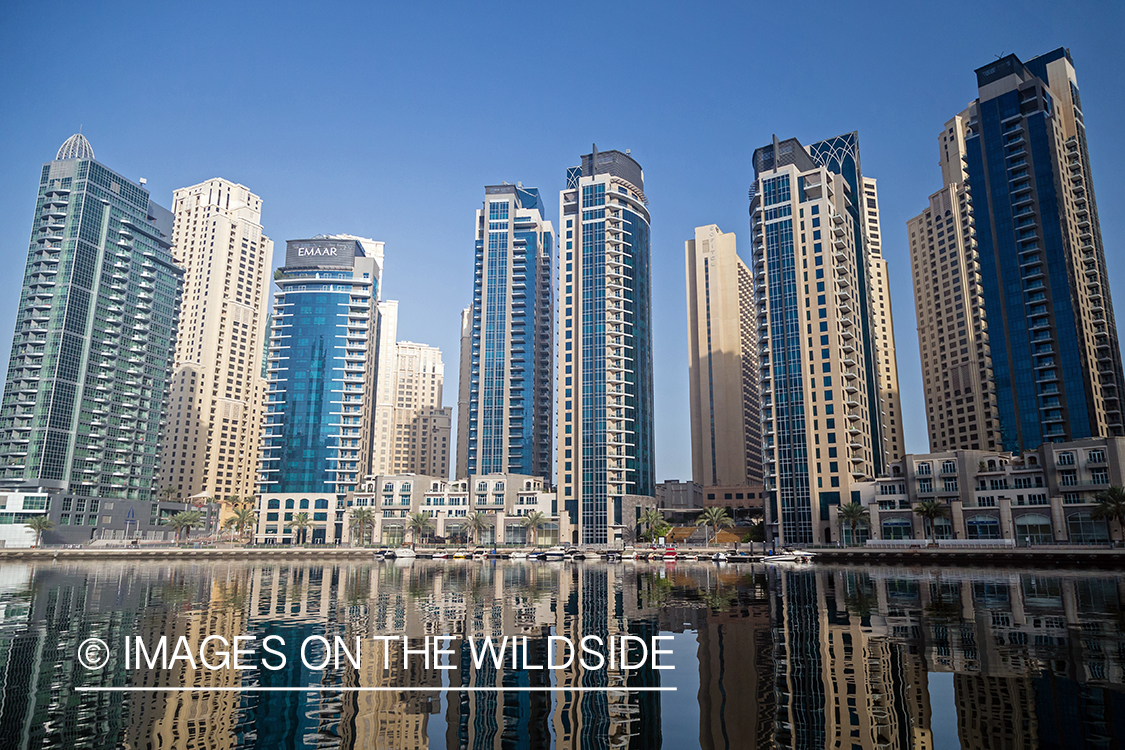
(672, 494)
(504, 499)
(1044, 496)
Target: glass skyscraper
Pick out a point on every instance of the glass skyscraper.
(605, 435)
(322, 365)
(87, 385)
(1055, 357)
(829, 385)
(507, 417)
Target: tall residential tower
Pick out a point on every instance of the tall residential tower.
(318, 428)
(605, 432)
(86, 393)
(829, 389)
(212, 438)
(508, 367)
(1053, 341)
(726, 437)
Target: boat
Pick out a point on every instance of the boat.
(573, 553)
(554, 554)
(519, 555)
(669, 554)
(779, 559)
(719, 557)
(478, 554)
(703, 556)
(440, 556)
(642, 555)
(738, 557)
(405, 553)
(629, 554)
(461, 555)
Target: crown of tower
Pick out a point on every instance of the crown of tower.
(75, 147)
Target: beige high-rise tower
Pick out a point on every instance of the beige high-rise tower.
(383, 424)
(949, 305)
(422, 426)
(213, 432)
(726, 437)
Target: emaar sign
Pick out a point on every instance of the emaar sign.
(321, 252)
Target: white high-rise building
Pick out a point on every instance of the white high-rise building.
(213, 433)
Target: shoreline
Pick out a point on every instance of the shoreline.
(1035, 557)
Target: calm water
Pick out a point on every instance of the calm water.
(816, 657)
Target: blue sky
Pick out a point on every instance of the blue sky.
(386, 120)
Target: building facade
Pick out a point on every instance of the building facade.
(85, 398)
(830, 414)
(953, 330)
(464, 392)
(212, 437)
(605, 432)
(318, 426)
(510, 409)
(421, 432)
(1055, 357)
(1043, 496)
(726, 439)
(504, 499)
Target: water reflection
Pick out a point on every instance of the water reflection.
(816, 657)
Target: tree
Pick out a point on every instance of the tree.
(534, 521)
(931, 510)
(183, 521)
(715, 518)
(39, 524)
(649, 518)
(419, 524)
(362, 518)
(301, 523)
(854, 514)
(1111, 506)
(167, 493)
(242, 519)
(476, 522)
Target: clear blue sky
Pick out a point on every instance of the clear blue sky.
(386, 120)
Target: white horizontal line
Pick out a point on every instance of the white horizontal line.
(342, 689)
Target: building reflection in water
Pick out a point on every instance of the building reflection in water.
(812, 657)
(1037, 657)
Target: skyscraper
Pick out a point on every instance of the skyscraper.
(386, 389)
(87, 386)
(464, 394)
(606, 450)
(726, 427)
(829, 387)
(421, 429)
(511, 340)
(1055, 356)
(212, 438)
(317, 432)
(961, 411)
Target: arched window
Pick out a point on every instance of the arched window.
(943, 528)
(273, 504)
(982, 527)
(304, 504)
(1034, 527)
(897, 528)
(1085, 529)
(321, 504)
(289, 504)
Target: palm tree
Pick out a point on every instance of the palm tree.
(931, 510)
(185, 520)
(649, 518)
(418, 524)
(476, 522)
(301, 523)
(853, 514)
(1111, 506)
(715, 518)
(167, 493)
(362, 518)
(39, 524)
(534, 521)
(242, 519)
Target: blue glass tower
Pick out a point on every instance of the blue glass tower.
(510, 357)
(1050, 324)
(606, 450)
(317, 435)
